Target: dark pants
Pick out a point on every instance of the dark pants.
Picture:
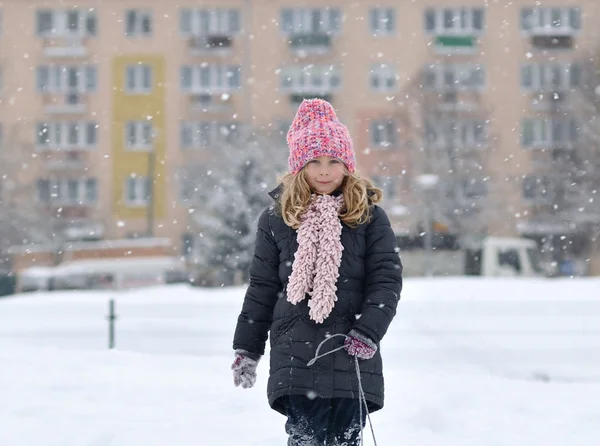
(320, 421)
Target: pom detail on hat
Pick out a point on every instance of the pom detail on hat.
(316, 131)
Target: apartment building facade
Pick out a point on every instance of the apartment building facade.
(103, 101)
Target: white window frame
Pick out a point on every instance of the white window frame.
(539, 182)
(473, 188)
(187, 189)
(388, 184)
(56, 77)
(383, 133)
(543, 132)
(143, 136)
(60, 22)
(138, 73)
(464, 133)
(541, 20)
(542, 75)
(141, 190)
(302, 21)
(220, 78)
(459, 72)
(457, 13)
(310, 79)
(140, 15)
(382, 20)
(58, 135)
(383, 74)
(205, 134)
(59, 191)
(221, 21)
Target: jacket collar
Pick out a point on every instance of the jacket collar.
(276, 193)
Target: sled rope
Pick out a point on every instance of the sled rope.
(361, 392)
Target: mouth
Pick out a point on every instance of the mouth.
(323, 182)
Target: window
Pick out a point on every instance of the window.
(383, 133)
(66, 22)
(139, 135)
(203, 134)
(210, 78)
(199, 22)
(91, 190)
(138, 79)
(536, 188)
(454, 77)
(66, 135)
(310, 78)
(383, 78)
(550, 76)
(461, 21)
(310, 20)
(510, 258)
(187, 188)
(387, 184)
(550, 19)
(138, 23)
(67, 191)
(550, 132)
(461, 133)
(59, 79)
(474, 188)
(137, 190)
(382, 21)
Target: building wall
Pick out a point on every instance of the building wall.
(263, 52)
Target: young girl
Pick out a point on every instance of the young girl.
(325, 263)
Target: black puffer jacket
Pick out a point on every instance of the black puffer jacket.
(368, 287)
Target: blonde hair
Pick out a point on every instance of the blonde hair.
(359, 194)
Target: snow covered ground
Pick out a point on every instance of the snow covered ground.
(491, 362)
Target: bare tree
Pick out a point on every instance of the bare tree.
(226, 194)
(21, 221)
(447, 121)
(565, 184)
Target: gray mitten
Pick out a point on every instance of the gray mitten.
(244, 369)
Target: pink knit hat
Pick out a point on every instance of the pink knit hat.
(316, 131)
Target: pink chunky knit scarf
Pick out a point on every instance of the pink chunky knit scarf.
(317, 261)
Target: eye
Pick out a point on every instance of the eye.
(334, 161)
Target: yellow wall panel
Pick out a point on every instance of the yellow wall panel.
(138, 107)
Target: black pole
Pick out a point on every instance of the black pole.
(111, 324)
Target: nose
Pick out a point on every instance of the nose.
(324, 171)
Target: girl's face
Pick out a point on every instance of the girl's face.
(325, 174)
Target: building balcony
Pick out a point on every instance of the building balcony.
(455, 44)
(65, 47)
(209, 102)
(550, 100)
(65, 104)
(310, 44)
(67, 160)
(211, 44)
(552, 41)
(296, 98)
(465, 100)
